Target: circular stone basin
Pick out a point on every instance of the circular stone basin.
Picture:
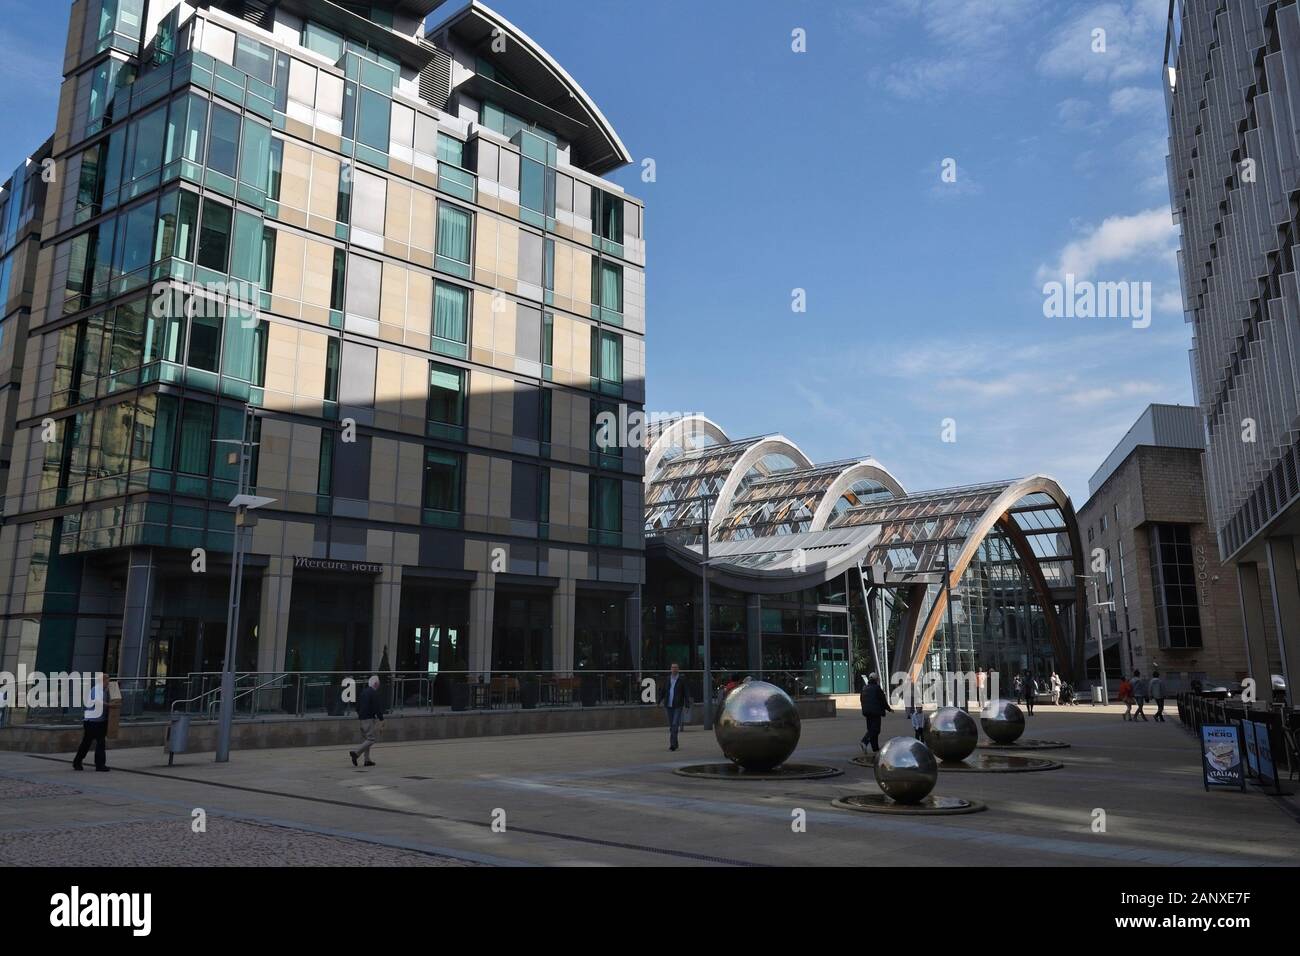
(1026, 744)
(983, 763)
(731, 771)
(929, 806)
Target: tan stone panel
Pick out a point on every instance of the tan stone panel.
(503, 331)
(410, 481)
(480, 399)
(397, 219)
(392, 302)
(312, 351)
(422, 220)
(388, 388)
(295, 176)
(287, 281)
(485, 245)
(324, 188)
(419, 308)
(477, 475)
(305, 461)
(281, 357)
(507, 252)
(383, 469)
(318, 270)
(499, 492)
(581, 289)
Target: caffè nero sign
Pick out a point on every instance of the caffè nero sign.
(325, 564)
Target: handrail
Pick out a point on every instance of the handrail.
(251, 690)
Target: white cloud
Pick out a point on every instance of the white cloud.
(1134, 36)
(1143, 237)
(1137, 99)
(965, 39)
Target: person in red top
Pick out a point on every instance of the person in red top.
(731, 685)
(1126, 695)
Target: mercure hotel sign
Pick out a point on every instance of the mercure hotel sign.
(325, 564)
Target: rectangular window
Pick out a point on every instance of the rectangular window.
(244, 354)
(223, 141)
(607, 286)
(332, 370)
(255, 158)
(147, 135)
(605, 509)
(337, 274)
(205, 340)
(446, 401)
(548, 338)
(607, 361)
(453, 242)
(164, 433)
(214, 236)
(450, 319)
(608, 219)
(254, 58)
(323, 41)
(187, 221)
(325, 470)
(441, 487)
(374, 112)
(450, 150)
(195, 439)
(246, 247)
(1173, 572)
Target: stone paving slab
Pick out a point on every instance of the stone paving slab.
(173, 843)
(612, 798)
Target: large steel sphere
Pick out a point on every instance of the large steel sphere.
(1003, 721)
(952, 734)
(758, 727)
(906, 770)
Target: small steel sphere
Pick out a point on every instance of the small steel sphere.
(952, 734)
(1003, 721)
(758, 727)
(906, 770)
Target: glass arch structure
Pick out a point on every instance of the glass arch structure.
(976, 577)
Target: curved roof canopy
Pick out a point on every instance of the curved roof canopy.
(542, 90)
(780, 523)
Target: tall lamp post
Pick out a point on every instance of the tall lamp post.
(702, 528)
(1101, 647)
(243, 503)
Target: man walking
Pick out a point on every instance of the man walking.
(1157, 691)
(676, 699)
(1030, 687)
(370, 709)
(1056, 689)
(95, 725)
(874, 707)
(1139, 695)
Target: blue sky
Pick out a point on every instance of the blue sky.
(777, 170)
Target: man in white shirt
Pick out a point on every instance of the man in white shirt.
(95, 725)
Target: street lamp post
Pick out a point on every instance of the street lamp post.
(243, 503)
(1101, 647)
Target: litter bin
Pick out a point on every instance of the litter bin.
(178, 736)
(1098, 694)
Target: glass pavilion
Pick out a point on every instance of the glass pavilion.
(818, 571)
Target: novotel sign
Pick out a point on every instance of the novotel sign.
(325, 564)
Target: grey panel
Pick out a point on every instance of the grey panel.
(352, 468)
(528, 333)
(530, 261)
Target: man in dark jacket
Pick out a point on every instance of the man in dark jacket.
(677, 697)
(874, 707)
(370, 709)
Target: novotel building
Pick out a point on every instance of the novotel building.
(375, 242)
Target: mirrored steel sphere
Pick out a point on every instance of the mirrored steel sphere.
(906, 770)
(758, 727)
(1003, 721)
(952, 734)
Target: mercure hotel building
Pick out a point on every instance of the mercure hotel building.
(372, 241)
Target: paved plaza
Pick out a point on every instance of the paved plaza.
(612, 798)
